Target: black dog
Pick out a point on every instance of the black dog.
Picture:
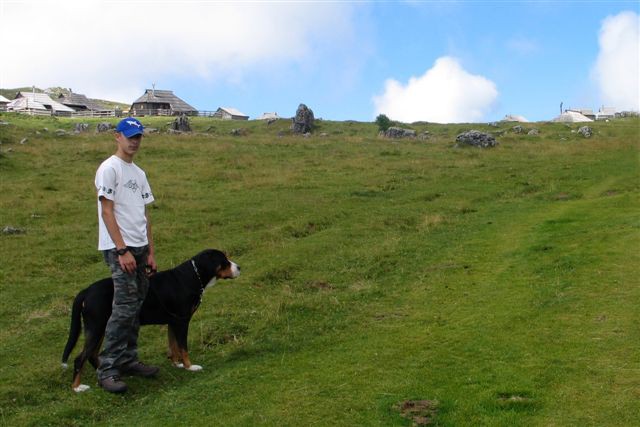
(174, 295)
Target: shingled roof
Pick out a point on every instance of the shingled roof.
(45, 100)
(78, 100)
(165, 97)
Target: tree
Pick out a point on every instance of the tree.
(383, 122)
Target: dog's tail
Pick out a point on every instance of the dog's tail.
(76, 326)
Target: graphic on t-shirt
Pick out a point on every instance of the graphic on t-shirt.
(132, 185)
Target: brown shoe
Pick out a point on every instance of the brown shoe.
(113, 384)
(140, 369)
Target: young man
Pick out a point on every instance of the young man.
(126, 242)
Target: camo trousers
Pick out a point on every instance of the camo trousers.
(121, 335)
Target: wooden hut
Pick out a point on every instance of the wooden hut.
(228, 113)
(33, 100)
(157, 102)
(80, 102)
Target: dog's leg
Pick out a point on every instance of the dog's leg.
(181, 331)
(78, 364)
(174, 353)
(93, 359)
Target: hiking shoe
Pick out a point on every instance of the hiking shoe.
(113, 384)
(140, 369)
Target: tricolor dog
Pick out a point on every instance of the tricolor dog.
(174, 295)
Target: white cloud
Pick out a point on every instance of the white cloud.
(444, 94)
(114, 48)
(617, 69)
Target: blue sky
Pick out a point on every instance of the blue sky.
(435, 61)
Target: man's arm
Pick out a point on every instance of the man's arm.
(151, 259)
(127, 261)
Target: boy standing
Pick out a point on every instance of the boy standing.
(127, 245)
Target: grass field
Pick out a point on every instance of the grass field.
(500, 285)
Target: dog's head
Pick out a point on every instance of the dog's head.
(214, 264)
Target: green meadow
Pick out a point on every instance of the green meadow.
(384, 282)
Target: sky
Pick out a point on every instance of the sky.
(435, 61)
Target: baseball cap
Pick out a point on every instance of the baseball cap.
(130, 127)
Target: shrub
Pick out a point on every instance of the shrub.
(383, 122)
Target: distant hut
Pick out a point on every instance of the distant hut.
(80, 102)
(3, 103)
(605, 113)
(570, 116)
(228, 113)
(514, 118)
(157, 102)
(269, 116)
(33, 102)
(587, 112)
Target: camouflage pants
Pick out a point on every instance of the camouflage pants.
(121, 335)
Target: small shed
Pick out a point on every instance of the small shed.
(587, 112)
(229, 113)
(156, 102)
(34, 100)
(25, 105)
(514, 118)
(3, 103)
(571, 117)
(80, 102)
(605, 113)
(269, 116)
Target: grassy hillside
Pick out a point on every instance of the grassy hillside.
(500, 285)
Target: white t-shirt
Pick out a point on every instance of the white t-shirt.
(126, 184)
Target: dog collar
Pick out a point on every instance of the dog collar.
(197, 273)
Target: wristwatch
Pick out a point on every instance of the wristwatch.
(122, 251)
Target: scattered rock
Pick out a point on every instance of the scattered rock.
(81, 127)
(533, 132)
(45, 129)
(494, 124)
(324, 134)
(103, 127)
(517, 129)
(181, 123)
(303, 120)
(307, 135)
(239, 132)
(585, 131)
(396, 133)
(150, 130)
(424, 135)
(61, 132)
(23, 140)
(8, 230)
(271, 121)
(170, 130)
(477, 139)
(4, 123)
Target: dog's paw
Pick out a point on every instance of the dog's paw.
(179, 365)
(65, 366)
(81, 388)
(195, 368)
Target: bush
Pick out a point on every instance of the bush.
(383, 122)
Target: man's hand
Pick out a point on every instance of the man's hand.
(152, 267)
(127, 262)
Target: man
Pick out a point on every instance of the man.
(126, 242)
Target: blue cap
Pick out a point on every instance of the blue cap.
(130, 127)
